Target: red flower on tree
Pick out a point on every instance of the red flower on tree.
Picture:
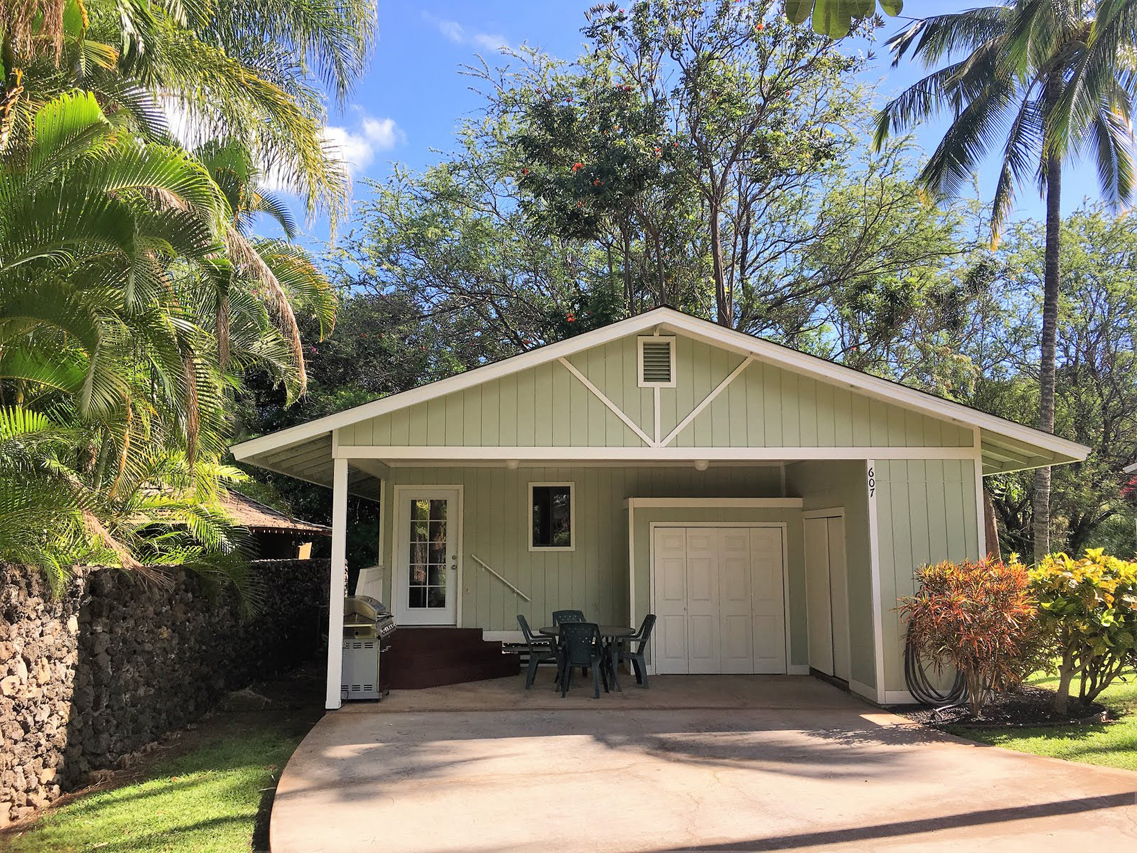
(576, 167)
(570, 318)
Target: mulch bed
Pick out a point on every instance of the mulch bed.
(1027, 707)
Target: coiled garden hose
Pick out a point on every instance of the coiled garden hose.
(921, 687)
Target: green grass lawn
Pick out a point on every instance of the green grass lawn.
(209, 792)
(1112, 744)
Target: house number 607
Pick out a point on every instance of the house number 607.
(872, 482)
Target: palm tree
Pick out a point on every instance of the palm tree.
(250, 70)
(1042, 80)
(113, 382)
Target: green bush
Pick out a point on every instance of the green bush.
(978, 617)
(1088, 609)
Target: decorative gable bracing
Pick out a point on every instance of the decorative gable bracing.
(593, 398)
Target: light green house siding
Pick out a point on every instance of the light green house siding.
(926, 512)
(765, 406)
(832, 485)
(644, 517)
(594, 576)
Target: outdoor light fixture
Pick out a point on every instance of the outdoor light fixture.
(702, 464)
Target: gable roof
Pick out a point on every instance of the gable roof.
(261, 518)
(1007, 445)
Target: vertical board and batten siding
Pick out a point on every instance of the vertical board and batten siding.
(594, 576)
(829, 485)
(926, 513)
(795, 561)
(765, 406)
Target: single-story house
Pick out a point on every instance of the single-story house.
(770, 507)
(276, 536)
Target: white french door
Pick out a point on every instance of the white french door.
(719, 600)
(427, 564)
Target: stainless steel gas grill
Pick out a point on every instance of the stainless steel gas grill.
(366, 626)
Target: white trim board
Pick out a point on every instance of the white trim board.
(725, 503)
(694, 327)
(874, 578)
(572, 455)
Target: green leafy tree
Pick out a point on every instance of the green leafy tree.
(1041, 81)
(1088, 607)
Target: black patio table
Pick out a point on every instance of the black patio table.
(609, 634)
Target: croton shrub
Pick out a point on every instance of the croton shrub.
(979, 617)
(1088, 610)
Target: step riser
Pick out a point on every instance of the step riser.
(431, 657)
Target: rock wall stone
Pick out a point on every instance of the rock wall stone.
(115, 662)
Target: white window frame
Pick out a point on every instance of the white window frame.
(571, 485)
(656, 339)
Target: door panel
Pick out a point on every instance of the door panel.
(702, 600)
(817, 596)
(670, 555)
(735, 605)
(427, 556)
(769, 602)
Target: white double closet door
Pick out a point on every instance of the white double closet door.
(719, 600)
(827, 595)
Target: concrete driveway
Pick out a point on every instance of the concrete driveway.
(793, 764)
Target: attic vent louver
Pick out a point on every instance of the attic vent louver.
(657, 362)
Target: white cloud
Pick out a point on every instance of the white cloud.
(357, 147)
(455, 32)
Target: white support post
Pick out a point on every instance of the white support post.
(337, 585)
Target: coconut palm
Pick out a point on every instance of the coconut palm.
(250, 70)
(112, 382)
(1042, 81)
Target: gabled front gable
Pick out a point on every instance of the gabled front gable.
(733, 397)
(593, 399)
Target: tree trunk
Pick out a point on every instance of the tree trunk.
(724, 305)
(1050, 286)
(990, 528)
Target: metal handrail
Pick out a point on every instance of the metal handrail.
(483, 564)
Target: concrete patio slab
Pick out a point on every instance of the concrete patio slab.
(830, 773)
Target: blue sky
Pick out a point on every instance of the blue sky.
(411, 100)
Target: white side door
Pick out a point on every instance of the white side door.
(839, 597)
(817, 596)
(427, 555)
(669, 643)
(703, 645)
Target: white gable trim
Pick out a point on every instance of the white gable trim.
(702, 330)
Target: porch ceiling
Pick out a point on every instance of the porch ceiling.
(311, 461)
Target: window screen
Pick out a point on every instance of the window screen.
(552, 516)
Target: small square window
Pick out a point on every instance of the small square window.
(552, 517)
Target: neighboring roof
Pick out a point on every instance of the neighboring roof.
(1007, 445)
(260, 518)
(1130, 469)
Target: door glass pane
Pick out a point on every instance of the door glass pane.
(427, 554)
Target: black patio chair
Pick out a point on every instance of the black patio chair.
(582, 645)
(560, 617)
(636, 655)
(541, 650)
